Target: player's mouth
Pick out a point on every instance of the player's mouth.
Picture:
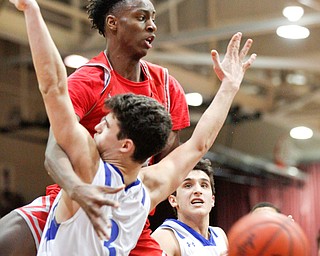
(149, 41)
(197, 201)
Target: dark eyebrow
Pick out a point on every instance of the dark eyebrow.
(105, 120)
(153, 12)
(202, 179)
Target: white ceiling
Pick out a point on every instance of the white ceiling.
(187, 30)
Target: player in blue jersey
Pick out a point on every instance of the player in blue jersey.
(190, 234)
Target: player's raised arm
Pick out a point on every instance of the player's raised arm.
(46, 58)
(174, 168)
(52, 80)
(50, 70)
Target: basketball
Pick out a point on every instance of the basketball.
(267, 234)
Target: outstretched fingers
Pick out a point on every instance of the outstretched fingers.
(249, 62)
(234, 64)
(110, 190)
(233, 49)
(245, 49)
(234, 46)
(92, 198)
(217, 64)
(243, 53)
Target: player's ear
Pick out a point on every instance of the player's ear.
(127, 146)
(111, 22)
(172, 200)
(213, 200)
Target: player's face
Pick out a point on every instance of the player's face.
(194, 195)
(106, 135)
(136, 27)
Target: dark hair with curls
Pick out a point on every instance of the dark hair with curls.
(143, 120)
(98, 11)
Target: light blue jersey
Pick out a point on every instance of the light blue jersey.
(76, 236)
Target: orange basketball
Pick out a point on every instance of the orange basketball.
(267, 234)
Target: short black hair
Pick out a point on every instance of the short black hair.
(143, 120)
(265, 204)
(98, 10)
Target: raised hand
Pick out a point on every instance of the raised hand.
(92, 198)
(22, 5)
(233, 66)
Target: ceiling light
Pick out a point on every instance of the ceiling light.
(301, 133)
(293, 13)
(293, 171)
(194, 99)
(297, 79)
(75, 61)
(293, 32)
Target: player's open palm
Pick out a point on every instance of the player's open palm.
(234, 65)
(92, 198)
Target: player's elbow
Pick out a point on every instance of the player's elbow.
(52, 86)
(202, 148)
(47, 165)
(49, 158)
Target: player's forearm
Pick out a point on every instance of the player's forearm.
(203, 137)
(59, 167)
(214, 117)
(183, 159)
(47, 61)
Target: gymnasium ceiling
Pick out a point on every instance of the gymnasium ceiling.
(187, 30)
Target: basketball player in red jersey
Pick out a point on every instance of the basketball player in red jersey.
(129, 29)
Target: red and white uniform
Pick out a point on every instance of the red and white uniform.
(89, 86)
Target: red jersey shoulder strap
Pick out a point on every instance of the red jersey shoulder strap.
(159, 80)
(101, 61)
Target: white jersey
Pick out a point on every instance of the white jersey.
(76, 236)
(194, 244)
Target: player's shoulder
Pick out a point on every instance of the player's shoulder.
(164, 233)
(86, 72)
(151, 64)
(218, 230)
(153, 68)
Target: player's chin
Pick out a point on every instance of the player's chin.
(143, 53)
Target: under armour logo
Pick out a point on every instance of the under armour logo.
(190, 244)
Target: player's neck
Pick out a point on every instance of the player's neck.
(129, 171)
(126, 67)
(199, 225)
